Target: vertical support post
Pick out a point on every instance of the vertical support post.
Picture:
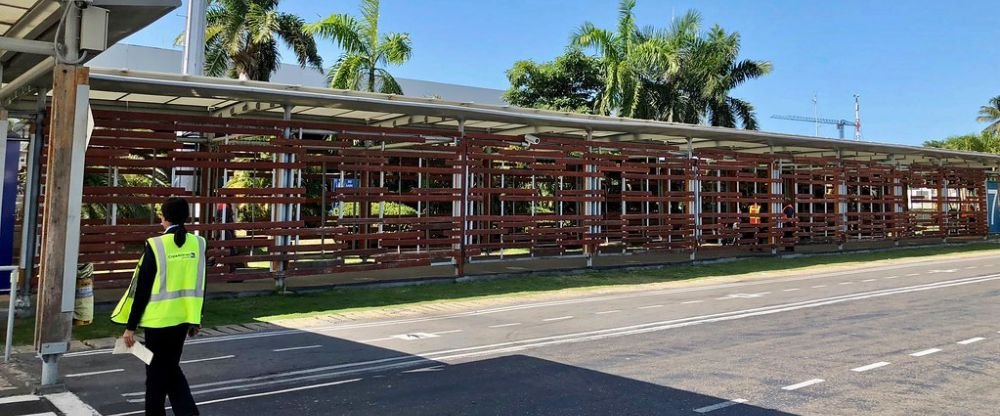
(194, 38)
(463, 158)
(61, 219)
(943, 203)
(777, 188)
(842, 198)
(279, 211)
(695, 208)
(591, 208)
(33, 185)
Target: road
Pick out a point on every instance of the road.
(916, 337)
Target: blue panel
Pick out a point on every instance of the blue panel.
(7, 207)
(993, 206)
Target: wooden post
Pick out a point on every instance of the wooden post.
(61, 218)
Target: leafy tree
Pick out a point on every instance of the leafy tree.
(241, 39)
(571, 82)
(985, 142)
(990, 114)
(366, 52)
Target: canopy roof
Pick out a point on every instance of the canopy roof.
(124, 89)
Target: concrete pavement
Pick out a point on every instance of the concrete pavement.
(917, 337)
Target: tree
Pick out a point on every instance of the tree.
(571, 82)
(366, 52)
(990, 114)
(241, 39)
(625, 54)
(985, 142)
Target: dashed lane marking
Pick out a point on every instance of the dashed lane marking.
(718, 406)
(970, 340)
(304, 347)
(207, 359)
(819, 286)
(95, 373)
(892, 277)
(846, 283)
(791, 290)
(925, 352)
(806, 383)
(558, 318)
(868, 280)
(692, 301)
(453, 331)
(650, 306)
(607, 312)
(870, 367)
(913, 274)
(505, 325)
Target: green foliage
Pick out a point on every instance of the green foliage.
(571, 82)
(991, 114)
(366, 51)
(241, 39)
(985, 142)
(392, 209)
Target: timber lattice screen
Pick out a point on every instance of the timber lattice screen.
(308, 198)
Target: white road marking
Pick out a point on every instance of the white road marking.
(806, 383)
(377, 339)
(425, 370)
(560, 318)
(868, 280)
(415, 336)
(870, 367)
(972, 267)
(607, 312)
(650, 306)
(971, 340)
(718, 406)
(505, 325)
(791, 290)
(534, 305)
(18, 399)
(95, 373)
(913, 274)
(507, 347)
(207, 359)
(846, 283)
(743, 295)
(453, 331)
(942, 271)
(892, 277)
(692, 301)
(43, 414)
(819, 286)
(925, 352)
(305, 347)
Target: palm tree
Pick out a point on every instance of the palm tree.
(991, 114)
(626, 54)
(241, 39)
(366, 52)
(713, 65)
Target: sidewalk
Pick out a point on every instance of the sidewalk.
(17, 398)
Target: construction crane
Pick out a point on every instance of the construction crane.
(839, 123)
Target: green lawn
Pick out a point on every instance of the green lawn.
(275, 307)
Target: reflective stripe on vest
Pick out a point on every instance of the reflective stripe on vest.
(169, 307)
(161, 270)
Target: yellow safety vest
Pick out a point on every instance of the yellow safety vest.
(755, 214)
(178, 289)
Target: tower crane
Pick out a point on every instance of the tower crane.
(839, 123)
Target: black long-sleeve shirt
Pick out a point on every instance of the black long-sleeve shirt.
(144, 288)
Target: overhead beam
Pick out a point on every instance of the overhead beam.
(244, 108)
(34, 47)
(408, 119)
(36, 21)
(25, 83)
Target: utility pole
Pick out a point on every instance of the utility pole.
(857, 117)
(816, 109)
(194, 38)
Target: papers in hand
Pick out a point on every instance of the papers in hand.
(137, 350)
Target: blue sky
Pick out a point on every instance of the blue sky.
(922, 67)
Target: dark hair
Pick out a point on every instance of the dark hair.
(176, 211)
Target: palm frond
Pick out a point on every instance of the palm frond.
(291, 29)
(348, 72)
(387, 83)
(343, 29)
(396, 48)
(370, 15)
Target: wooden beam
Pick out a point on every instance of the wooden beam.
(244, 108)
(61, 215)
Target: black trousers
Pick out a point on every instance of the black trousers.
(164, 376)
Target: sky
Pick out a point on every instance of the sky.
(922, 68)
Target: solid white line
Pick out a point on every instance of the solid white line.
(847, 283)
(248, 396)
(297, 348)
(806, 383)
(505, 325)
(791, 290)
(558, 318)
(868, 280)
(404, 361)
(607, 312)
(722, 405)
(207, 359)
(819, 286)
(95, 373)
(18, 399)
(42, 414)
(925, 352)
(650, 306)
(453, 331)
(870, 367)
(971, 340)
(692, 301)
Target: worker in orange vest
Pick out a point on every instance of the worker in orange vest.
(755, 213)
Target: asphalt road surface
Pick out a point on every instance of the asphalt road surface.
(917, 337)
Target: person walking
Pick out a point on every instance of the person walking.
(166, 299)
